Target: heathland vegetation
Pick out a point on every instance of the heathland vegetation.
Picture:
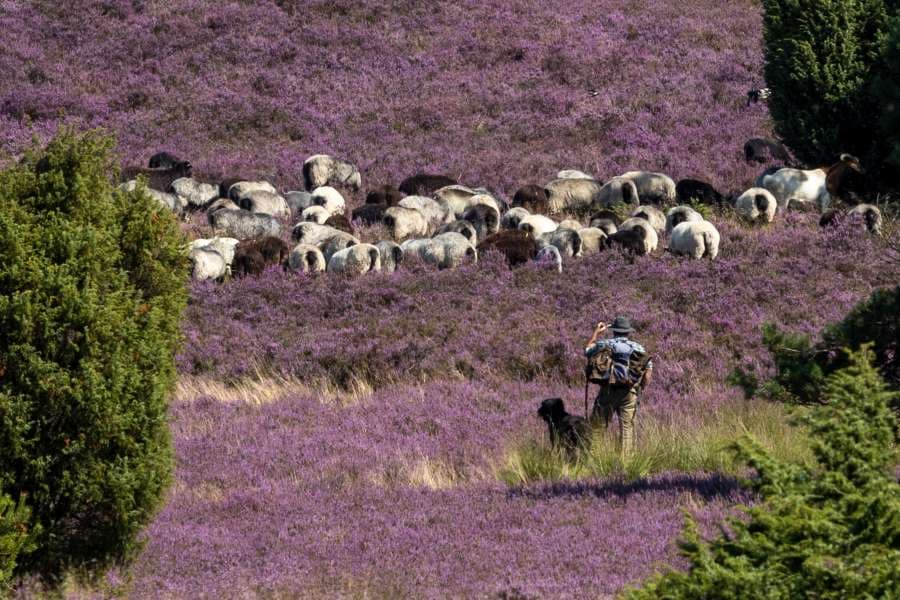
(377, 436)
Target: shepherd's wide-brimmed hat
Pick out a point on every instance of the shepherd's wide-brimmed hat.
(621, 325)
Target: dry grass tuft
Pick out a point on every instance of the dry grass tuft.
(264, 390)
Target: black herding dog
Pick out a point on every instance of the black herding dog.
(567, 431)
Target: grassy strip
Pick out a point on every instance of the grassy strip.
(689, 443)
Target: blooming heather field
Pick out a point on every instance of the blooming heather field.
(346, 437)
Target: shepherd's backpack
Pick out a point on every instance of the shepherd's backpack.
(617, 364)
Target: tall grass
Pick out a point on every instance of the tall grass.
(689, 442)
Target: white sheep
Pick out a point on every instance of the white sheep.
(307, 258)
(592, 240)
(756, 205)
(567, 241)
(315, 214)
(336, 243)
(656, 188)
(330, 198)
(462, 227)
(570, 224)
(207, 264)
(456, 197)
(697, 239)
(512, 217)
(652, 215)
(391, 255)
(573, 174)
(403, 223)
(680, 214)
(244, 225)
(355, 260)
(223, 245)
(449, 250)
(194, 193)
(870, 214)
(242, 188)
(651, 239)
(436, 213)
(263, 202)
(615, 191)
(804, 187)
(572, 195)
(307, 232)
(537, 225)
(324, 170)
(552, 255)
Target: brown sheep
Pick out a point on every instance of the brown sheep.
(516, 245)
(159, 179)
(423, 184)
(339, 222)
(533, 198)
(369, 214)
(387, 195)
(251, 257)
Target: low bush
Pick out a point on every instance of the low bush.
(827, 530)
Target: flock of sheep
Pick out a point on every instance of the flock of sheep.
(436, 220)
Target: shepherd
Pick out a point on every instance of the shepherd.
(622, 368)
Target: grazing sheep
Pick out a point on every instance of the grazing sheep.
(423, 184)
(533, 198)
(307, 259)
(223, 245)
(464, 228)
(330, 198)
(336, 243)
(243, 224)
(573, 174)
(172, 202)
(570, 224)
(159, 179)
(207, 263)
(436, 213)
(846, 180)
(484, 218)
(312, 233)
(567, 431)
(698, 239)
(340, 223)
(756, 205)
(871, 214)
(322, 170)
(450, 250)
(631, 240)
(163, 160)
(247, 261)
(652, 215)
(606, 220)
(194, 194)
(403, 223)
(387, 195)
(763, 150)
(391, 255)
(537, 225)
(456, 197)
(680, 214)
(488, 199)
(517, 246)
(805, 187)
(567, 241)
(315, 214)
(369, 214)
(550, 255)
(655, 188)
(225, 185)
(512, 217)
(262, 202)
(593, 240)
(298, 201)
(694, 190)
(651, 239)
(617, 190)
(240, 189)
(355, 260)
(572, 195)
